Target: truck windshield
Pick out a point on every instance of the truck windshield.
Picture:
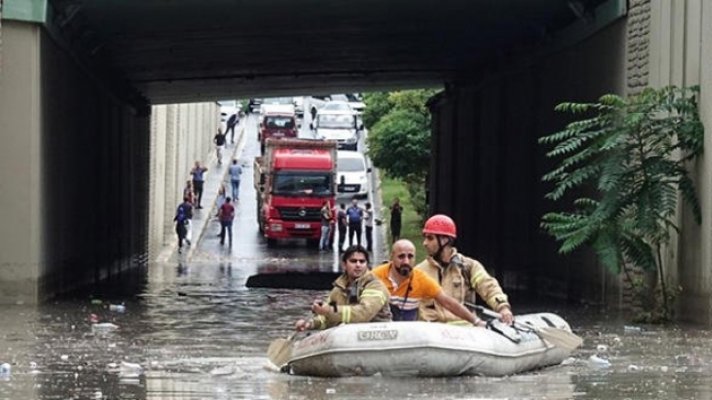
(279, 122)
(302, 183)
(336, 121)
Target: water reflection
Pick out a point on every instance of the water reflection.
(196, 331)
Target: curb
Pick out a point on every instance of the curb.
(208, 218)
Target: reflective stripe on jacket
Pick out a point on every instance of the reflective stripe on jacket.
(454, 280)
(369, 305)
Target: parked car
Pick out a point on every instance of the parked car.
(352, 173)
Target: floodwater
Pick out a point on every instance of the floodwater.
(192, 330)
(197, 333)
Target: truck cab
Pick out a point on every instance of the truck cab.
(277, 121)
(340, 125)
(293, 178)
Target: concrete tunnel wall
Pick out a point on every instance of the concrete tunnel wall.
(488, 165)
(82, 170)
(95, 174)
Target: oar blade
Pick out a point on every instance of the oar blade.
(564, 339)
(280, 351)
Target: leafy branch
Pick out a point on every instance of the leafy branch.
(634, 152)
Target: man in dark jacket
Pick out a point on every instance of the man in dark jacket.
(357, 296)
(183, 215)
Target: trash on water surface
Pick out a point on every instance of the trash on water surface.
(5, 369)
(224, 370)
(633, 368)
(64, 357)
(119, 308)
(104, 327)
(599, 362)
(569, 361)
(130, 370)
(601, 348)
(632, 329)
(96, 301)
(330, 390)
(664, 368)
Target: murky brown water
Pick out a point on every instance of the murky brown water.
(198, 333)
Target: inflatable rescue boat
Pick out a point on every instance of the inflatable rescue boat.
(430, 349)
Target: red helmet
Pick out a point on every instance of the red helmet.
(440, 224)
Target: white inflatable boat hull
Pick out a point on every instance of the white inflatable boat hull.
(424, 349)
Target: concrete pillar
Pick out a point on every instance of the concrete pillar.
(21, 163)
(679, 34)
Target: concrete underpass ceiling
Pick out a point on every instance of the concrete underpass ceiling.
(190, 50)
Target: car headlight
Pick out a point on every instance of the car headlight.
(352, 139)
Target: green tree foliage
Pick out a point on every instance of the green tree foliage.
(377, 105)
(399, 143)
(634, 153)
(399, 138)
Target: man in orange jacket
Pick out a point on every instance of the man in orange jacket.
(409, 287)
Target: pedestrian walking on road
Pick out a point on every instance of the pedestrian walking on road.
(355, 214)
(235, 171)
(368, 223)
(326, 219)
(184, 213)
(230, 127)
(220, 200)
(198, 173)
(341, 222)
(219, 141)
(396, 211)
(188, 192)
(226, 215)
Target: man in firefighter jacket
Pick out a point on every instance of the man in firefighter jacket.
(357, 296)
(457, 274)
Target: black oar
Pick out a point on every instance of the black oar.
(562, 338)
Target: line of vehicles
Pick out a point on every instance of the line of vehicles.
(294, 176)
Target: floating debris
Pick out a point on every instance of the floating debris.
(224, 370)
(632, 329)
(130, 370)
(598, 362)
(119, 308)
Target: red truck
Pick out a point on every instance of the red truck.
(292, 179)
(277, 121)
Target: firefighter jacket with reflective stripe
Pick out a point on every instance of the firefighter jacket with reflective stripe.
(461, 276)
(365, 300)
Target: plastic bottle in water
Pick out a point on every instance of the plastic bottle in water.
(5, 369)
(119, 308)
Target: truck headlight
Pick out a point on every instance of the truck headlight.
(275, 227)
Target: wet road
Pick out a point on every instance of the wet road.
(197, 332)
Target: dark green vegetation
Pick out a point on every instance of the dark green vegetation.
(623, 167)
(399, 138)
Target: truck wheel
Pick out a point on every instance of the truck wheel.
(271, 242)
